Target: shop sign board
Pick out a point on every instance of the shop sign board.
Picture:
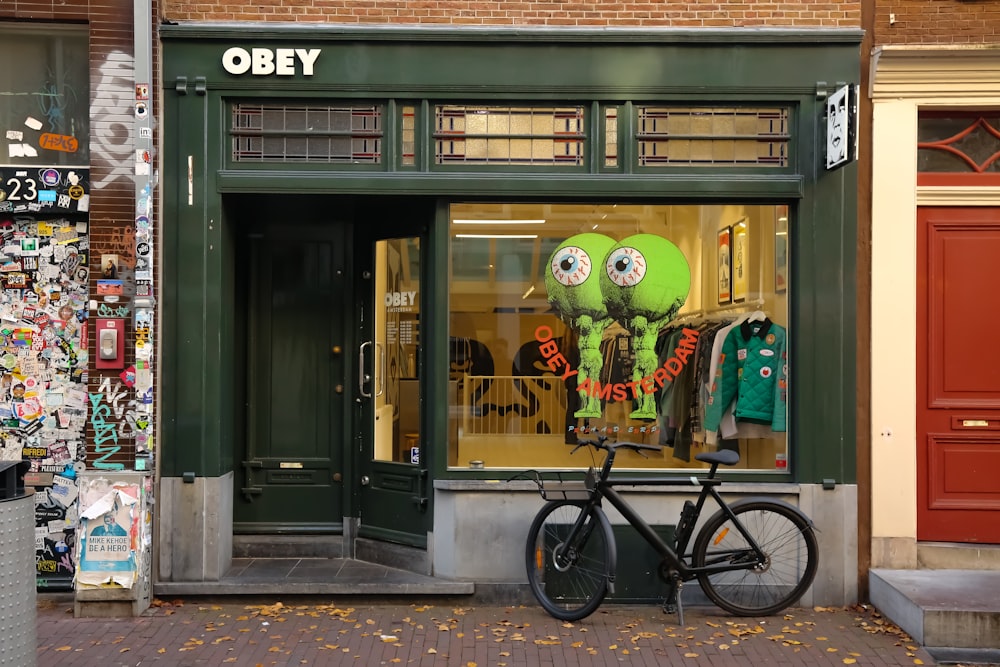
(842, 126)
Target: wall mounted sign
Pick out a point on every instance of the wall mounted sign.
(265, 62)
(842, 126)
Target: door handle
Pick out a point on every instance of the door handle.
(380, 372)
(363, 378)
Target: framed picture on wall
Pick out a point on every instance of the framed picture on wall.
(741, 258)
(781, 251)
(725, 248)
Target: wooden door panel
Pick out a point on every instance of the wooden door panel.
(967, 473)
(964, 368)
(294, 452)
(958, 375)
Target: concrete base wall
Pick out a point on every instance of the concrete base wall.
(894, 553)
(195, 528)
(480, 529)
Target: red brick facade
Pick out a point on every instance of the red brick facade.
(951, 22)
(554, 13)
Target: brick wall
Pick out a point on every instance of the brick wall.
(555, 13)
(937, 22)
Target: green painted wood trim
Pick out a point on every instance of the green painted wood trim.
(390, 33)
(708, 183)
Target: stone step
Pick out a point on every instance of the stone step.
(958, 556)
(954, 614)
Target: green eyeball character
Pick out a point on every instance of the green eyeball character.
(645, 281)
(572, 281)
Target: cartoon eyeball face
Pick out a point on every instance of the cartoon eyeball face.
(626, 266)
(571, 266)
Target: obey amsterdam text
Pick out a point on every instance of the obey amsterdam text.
(618, 391)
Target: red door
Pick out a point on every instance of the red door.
(958, 374)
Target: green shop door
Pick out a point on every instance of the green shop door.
(394, 485)
(291, 476)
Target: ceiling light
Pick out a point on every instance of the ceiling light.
(498, 222)
(496, 236)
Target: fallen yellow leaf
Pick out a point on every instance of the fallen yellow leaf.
(690, 655)
(918, 661)
(849, 661)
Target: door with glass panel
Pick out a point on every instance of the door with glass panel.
(394, 486)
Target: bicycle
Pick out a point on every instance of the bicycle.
(756, 556)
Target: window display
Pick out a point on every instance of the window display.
(568, 319)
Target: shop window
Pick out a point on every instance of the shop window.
(46, 96)
(961, 145)
(709, 136)
(507, 135)
(275, 132)
(573, 320)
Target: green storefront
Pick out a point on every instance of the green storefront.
(364, 330)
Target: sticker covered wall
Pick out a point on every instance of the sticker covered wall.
(44, 248)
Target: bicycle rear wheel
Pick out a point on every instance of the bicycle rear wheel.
(568, 574)
(787, 540)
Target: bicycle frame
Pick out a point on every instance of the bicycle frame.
(604, 487)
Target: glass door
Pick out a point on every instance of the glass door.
(394, 490)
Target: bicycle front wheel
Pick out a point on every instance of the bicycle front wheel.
(789, 545)
(568, 569)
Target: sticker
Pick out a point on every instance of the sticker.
(33, 123)
(109, 266)
(767, 353)
(741, 354)
(142, 91)
(50, 177)
(766, 372)
(770, 339)
(109, 287)
(58, 142)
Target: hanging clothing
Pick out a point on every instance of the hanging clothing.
(753, 373)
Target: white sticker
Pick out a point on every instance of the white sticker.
(33, 123)
(767, 353)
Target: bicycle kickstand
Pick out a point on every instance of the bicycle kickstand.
(673, 602)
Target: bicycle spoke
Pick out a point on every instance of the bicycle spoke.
(568, 567)
(788, 567)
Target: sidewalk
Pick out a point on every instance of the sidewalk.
(192, 631)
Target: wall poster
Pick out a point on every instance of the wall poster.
(725, 250)
(741, 255)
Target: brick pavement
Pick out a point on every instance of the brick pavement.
(194, 631)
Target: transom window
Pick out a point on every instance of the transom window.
(509, 135)
(469, 136)
(710, 136)
(958, 142)
(307, 133)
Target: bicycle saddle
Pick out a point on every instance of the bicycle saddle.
(726, 457)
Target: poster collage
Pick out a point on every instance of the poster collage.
(45, 403)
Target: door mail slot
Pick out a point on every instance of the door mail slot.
(975, 424)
